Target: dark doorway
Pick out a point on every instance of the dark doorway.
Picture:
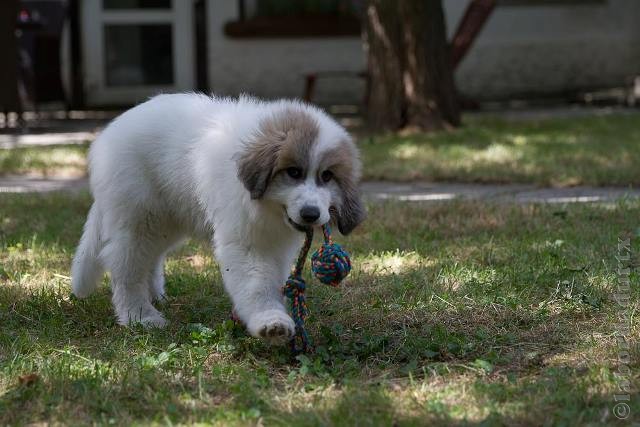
(200, 24)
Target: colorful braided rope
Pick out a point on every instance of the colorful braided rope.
(330, 264)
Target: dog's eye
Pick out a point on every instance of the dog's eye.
(295, 173)
(326, 176)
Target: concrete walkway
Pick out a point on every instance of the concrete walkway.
(48, 132)
(380, 191)
(513, 193)
(28, 184)
(45, 139)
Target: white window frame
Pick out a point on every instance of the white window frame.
(94, 18)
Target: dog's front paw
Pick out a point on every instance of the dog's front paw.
(274, 326)
(155, 321)
(151, 318)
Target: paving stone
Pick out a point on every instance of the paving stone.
(382, 190)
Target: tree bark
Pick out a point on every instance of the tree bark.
(411, 81)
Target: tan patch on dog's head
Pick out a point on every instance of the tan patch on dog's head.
(282, 140)
(299, 133)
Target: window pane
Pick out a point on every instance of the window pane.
(138, 55)
(137, 4)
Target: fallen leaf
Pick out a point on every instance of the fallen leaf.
(28, 379)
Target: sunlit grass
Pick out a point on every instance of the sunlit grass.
(454, 313)
(392, 262)
(597, 150)
(62, 160)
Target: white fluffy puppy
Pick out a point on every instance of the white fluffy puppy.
(244, 174)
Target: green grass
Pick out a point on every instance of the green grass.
(456, 313)
(69, 160)
(595, 150)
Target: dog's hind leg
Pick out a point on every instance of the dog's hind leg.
(130, 256)
(167, 241)
(86, 270)
(156, 282)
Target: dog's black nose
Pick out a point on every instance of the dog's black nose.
(309, 213)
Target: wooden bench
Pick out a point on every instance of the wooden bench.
(312, 78)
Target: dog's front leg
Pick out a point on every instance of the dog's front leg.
(254, 283)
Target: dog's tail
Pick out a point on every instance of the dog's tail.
(86, 270)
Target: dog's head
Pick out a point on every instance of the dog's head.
(308, 164)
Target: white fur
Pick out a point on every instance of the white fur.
(165, 170)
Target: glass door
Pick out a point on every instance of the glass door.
(134, 49)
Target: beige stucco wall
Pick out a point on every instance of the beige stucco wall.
(522, 50)
(276, 67)
(552, 49)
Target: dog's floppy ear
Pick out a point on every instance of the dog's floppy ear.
(351, 211)
(255, 167)
(344, 162)
(256, 164)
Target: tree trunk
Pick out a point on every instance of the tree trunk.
(410, 74)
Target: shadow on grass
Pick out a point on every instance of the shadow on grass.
(48, 219)
(92, 367)
(583, 151)
(485, 305)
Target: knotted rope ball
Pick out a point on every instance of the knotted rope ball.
(330, 264)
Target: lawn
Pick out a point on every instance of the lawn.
(455, 313)
(594, 150)
(65, 160)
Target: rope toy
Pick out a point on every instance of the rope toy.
(330, 264)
